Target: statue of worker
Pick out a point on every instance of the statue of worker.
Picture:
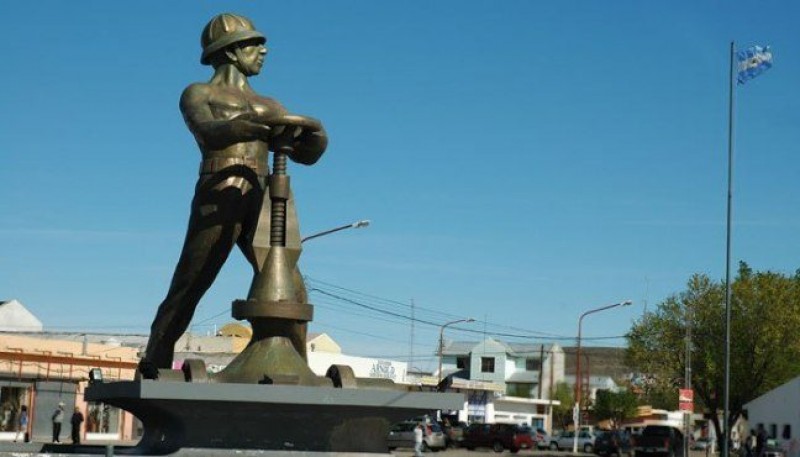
(235, 129)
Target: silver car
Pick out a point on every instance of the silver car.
(402, 435)
(565, 441)
(542, 438)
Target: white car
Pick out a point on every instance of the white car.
(402, 435)
(566, 440)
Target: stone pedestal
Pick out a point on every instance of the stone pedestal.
(300, 419)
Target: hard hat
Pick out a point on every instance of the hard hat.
(224, 30)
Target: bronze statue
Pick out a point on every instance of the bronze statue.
(235, 129)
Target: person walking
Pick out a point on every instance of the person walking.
(761, 441)
(22, 424)
(57, 419)
(75, 421)
(750, 444)
(418, 433)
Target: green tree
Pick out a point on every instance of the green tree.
(615, 406)
(765, 313)
(562, 414)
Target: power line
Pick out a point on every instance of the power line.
(466, 330)
(378, 301)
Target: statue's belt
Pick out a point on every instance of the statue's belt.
(216, 164)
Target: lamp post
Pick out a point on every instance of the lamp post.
(577, 413)
(441, 341)
(357, 224)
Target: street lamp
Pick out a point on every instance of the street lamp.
(441, 341)
(355, 225)
(577, 411)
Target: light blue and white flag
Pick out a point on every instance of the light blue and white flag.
(752, 62)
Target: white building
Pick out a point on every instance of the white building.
(504, 382)
(322, 351)
(595, 383)
(778, 411)
(14, 317)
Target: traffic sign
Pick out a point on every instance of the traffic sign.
(686, 400)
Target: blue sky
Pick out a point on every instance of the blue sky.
(521, 161)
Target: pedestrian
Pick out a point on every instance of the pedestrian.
(750, 444)
(76, 421)
(57, 419)
(418, 432)
(22, 424)
(761, 441)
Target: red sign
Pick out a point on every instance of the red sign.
(686, 400)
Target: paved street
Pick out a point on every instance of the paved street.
(408, 452)
(28, 449)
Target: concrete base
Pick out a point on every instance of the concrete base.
(48, 450)
(265, 417)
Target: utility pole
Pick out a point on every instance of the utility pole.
(411, 338)
(687, 382)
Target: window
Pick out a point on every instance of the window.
(11, 401)
(787, 432)
(102, 418)
(487, 364)
(531, 365)
(462, 362)
(773, 431)
(524, 390)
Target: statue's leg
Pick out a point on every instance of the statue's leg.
(300, 328)
(214, 228)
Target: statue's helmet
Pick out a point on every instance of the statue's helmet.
(224, 30)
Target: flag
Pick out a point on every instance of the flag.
(752, 62)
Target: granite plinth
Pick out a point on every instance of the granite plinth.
(265, 417)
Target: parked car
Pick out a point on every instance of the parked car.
(454, 433)
(541, 438)
(498, 437)
(565, 441)
(613, 442)
(658, 441)
(402, 435)
(774, 448)
(701, 444)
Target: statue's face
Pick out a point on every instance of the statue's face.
(250, 57)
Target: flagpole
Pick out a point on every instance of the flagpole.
(726, 401)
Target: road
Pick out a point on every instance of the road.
(459, 452)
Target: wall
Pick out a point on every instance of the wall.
(489, 348)
(363, 367)
(779, 407)
(48, 396)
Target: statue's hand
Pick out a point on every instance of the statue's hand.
(301, 137)
(251, 125)
(294, 124)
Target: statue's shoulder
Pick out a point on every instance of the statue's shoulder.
(195, 92)
(196, 98)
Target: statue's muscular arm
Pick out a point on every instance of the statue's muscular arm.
(215, 131)
(310, 146)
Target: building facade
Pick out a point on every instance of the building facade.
(43, 372)
(510, 382)
(778, 413)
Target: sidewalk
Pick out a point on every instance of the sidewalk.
(21, 449)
